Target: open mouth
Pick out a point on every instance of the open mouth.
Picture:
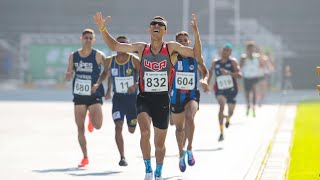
(156, 30)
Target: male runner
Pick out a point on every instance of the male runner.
(155, 78)
(226, 70)
(84, 67)
(185, 98)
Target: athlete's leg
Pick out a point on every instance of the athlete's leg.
(96, 115)
(222, 101)
(254, 97)
(144, 122)
(247, 90)
(80, 112)
(191, 109)
(159, 141)
(179, 121)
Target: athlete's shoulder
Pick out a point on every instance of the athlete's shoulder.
(244, 56)
(100, 53)
(233, 59)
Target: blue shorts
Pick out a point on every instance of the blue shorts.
(124, 105)
(229, 94)
(179, 107)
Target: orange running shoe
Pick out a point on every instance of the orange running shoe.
(84, 162)
(90, 125)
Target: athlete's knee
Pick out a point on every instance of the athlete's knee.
(145, 133)
(180, 128)
(189, 116)
(98, 125)
(118, 128)
(132, 129)
(159, 145)
(221, 109)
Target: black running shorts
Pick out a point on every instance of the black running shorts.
(156, 105)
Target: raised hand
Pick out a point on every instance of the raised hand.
(194, 23)
(99, 21)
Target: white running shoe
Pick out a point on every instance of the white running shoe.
(149, 176)
(159, 178)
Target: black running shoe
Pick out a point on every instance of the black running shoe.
(123, 162)
(227, 124)
(221, 138)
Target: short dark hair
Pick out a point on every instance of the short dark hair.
(87, 31)
(160, 19)
(184, 33)
(250, 44)
(121, 37)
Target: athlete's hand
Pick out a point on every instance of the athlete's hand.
(224, 71)
(131, 89)
(99, 21)
(68, 76)
(204, 85)
(94, 88)
(194, 23)
(108, 95)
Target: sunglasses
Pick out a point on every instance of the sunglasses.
(88, 38)
(161, 24)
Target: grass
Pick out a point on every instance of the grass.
(305, 152)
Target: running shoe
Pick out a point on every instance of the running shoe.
(254, 114)
(158, 178)
(182, 162)
(221, 138)
(123, 162)
(84, 162)
(148, 176)
(227, 122)
(191, 160)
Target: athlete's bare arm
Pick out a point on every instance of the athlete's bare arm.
(136, 63)
(104, 74)
(242, 60)
(109, 86)
(110, 41)
(211, 70)
(204, 76)
(195, 52)
(69, 73)
(237, 73)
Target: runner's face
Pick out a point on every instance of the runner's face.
(157, 29)
(184, 40)
(88, 40)
(250, 49)
(226, 52)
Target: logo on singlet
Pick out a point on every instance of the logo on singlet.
(155, 66)
(84, 66)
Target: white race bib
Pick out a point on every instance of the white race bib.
(82, 87)
(155, 81)
(123, 83)
(224, 82)
(185, 80)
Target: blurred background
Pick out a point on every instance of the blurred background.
(36, 36)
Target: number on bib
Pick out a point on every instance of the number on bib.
(224, 82)
(155, 81)
(185, 80)
(82, 87)
(123, 83)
